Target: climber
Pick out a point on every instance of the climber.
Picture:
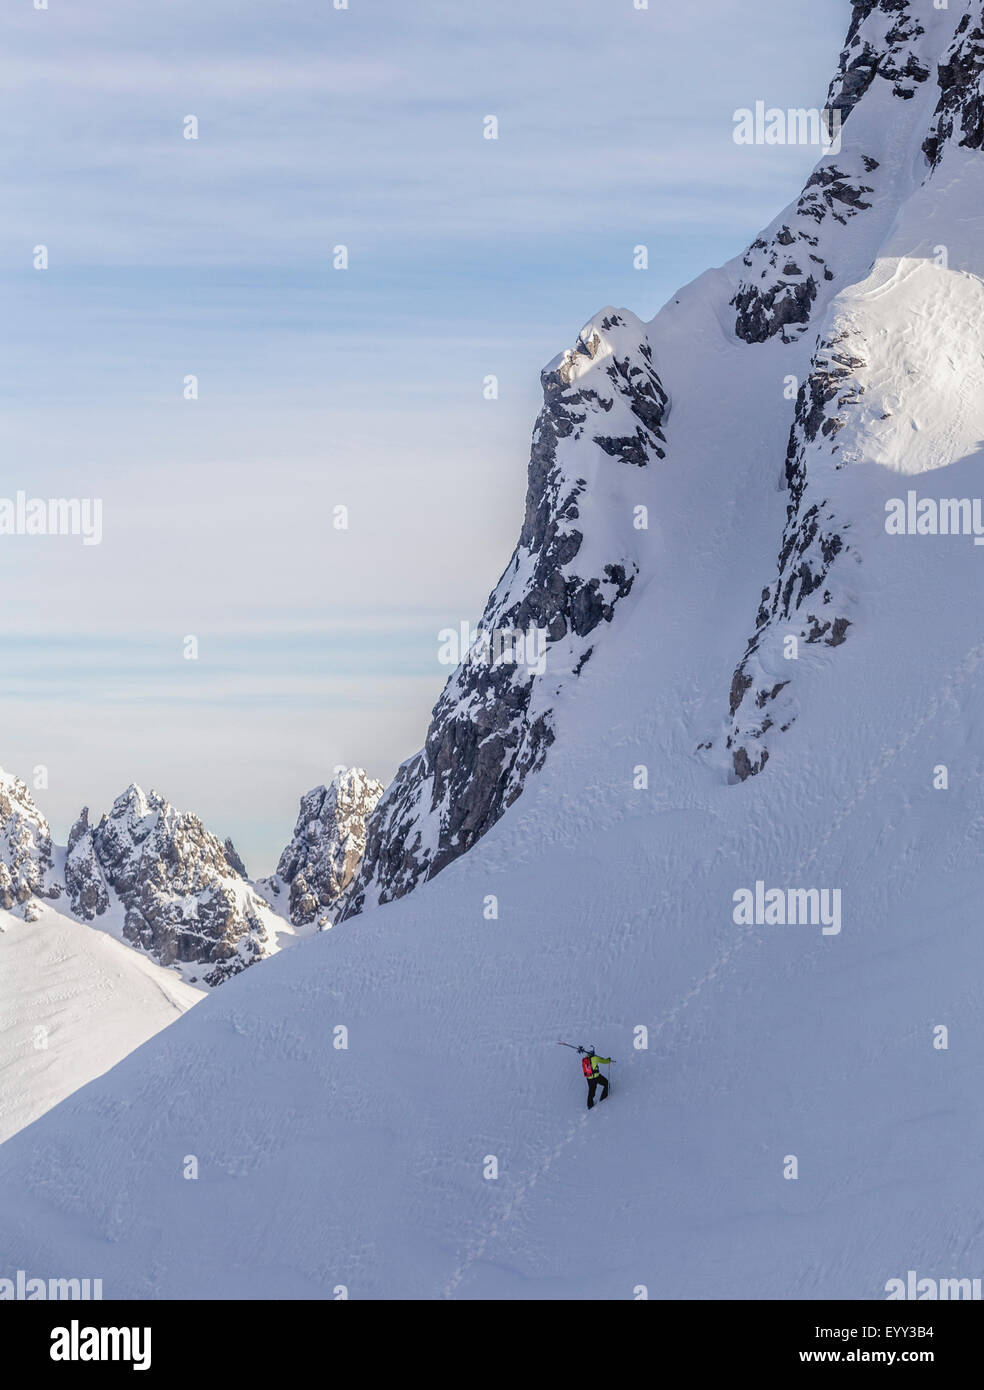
(589, 1065)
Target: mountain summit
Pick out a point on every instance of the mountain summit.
(579, 553)
(184, 896)
(326, 848)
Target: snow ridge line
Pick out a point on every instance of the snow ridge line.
(967, 667)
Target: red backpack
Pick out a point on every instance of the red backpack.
(587, 1067)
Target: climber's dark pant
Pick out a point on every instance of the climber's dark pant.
(593, 1086)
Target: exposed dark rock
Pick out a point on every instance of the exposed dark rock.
(185, 898)
(812, 541)
(25, 849)
(87, 890)
(326, 847)
(604, 408)
(233, 857)
(960, 108)
(768, 303)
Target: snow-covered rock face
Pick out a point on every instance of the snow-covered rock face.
(326, 847)
(84, 879)
(790, 272)
(798, 602)
(959, 115)
(578, 556)
(882, 42)
(25, 848)
(184, 895)
(896, 378)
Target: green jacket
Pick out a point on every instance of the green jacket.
(594, 1063)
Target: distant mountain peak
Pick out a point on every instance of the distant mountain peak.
(184, 896)
(326, 847)
(25, 849)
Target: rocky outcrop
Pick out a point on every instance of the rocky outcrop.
(84, 879)
(600, 428)
(25, 850)
(185, 899)
(800, 602)
(326, 847)
(882, 42)
(894, 48)
(959, 114)
(787, 273)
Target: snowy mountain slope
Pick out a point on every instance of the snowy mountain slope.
(827, 238)
(493, 726)
(602, 900)
(895, 381)
(578, 557)
(73, 1002)
(364, 1167)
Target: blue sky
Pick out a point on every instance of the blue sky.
(467, 257)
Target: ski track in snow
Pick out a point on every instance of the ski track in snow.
(970, 664)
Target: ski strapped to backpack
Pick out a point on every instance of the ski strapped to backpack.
(586, 1064)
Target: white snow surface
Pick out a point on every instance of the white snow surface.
(363, 1166)
(73, 1003)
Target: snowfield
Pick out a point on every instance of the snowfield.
(73, 1003)
(383, 1110)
